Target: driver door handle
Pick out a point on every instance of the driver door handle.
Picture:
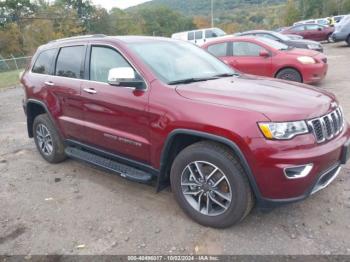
(90, 90)
(49, 83)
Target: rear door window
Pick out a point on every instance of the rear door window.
(44, 62)
(218, 49)
(190, 36)
(70, 62)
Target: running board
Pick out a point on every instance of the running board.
(124, 171)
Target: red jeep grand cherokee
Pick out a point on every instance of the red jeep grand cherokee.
(159, 109)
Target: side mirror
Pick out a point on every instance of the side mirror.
(264, 53)
(124, 76)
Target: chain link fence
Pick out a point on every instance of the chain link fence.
(13, 63)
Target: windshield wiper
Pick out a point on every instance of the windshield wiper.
(191, 80)
(226, 75)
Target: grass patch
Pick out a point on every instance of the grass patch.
(10, 78)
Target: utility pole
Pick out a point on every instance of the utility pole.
(212, 13)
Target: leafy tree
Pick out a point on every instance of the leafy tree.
(292, 13)
(10, 39)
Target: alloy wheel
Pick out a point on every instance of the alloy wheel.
(206, 188)
(44, 139)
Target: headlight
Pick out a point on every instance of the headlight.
(306, 60)
(283, 131)
(313, 47)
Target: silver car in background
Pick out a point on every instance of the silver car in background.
(342, 30)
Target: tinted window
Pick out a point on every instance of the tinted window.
(190, 36)
(246, 49)
(102, 60)
(69, 61)
(199, 35)
(44, 61)
(218, 49)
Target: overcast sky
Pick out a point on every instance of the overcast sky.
(109, 4)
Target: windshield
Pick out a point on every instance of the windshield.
(174, 61)
(219, 32)
(281, 36)
(274, 44)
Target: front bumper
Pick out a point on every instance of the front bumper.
(314, 73)
(272, 157)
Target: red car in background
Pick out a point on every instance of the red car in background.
(314, 32)
(266, 57)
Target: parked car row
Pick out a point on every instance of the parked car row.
(322, 21)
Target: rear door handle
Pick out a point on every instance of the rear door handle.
(90, 90)
(49, 83)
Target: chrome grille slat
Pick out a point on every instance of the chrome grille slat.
(328, 126)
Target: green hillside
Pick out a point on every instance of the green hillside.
(230, 15)
(202, 7)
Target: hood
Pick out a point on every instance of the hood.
(278, 100)
(303, 42)
(301, 52)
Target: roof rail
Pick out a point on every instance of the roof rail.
(78, 37)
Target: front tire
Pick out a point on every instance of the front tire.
(348, 40)
(290, 74)
(47, 139)
(210, 185)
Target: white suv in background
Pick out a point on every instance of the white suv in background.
(199, 36)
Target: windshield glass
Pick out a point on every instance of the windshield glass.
(174, 60)
(274, 44)
(219, 32)
(281, 36)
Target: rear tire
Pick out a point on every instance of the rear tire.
(290, 74)
(348, 40)
(228, 190)
(47, 139)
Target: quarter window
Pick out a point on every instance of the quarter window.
(246, 49)
(44, 61)
(218, 49)
(69, 62)
(102, 60)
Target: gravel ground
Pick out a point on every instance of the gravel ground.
(71, 208)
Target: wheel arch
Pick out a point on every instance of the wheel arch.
(172, 147)
(289, 67)
(34, 108)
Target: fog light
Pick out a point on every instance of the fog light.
(297, 171)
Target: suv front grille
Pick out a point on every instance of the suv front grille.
(328, 126)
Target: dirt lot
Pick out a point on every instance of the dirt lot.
(71, 208)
